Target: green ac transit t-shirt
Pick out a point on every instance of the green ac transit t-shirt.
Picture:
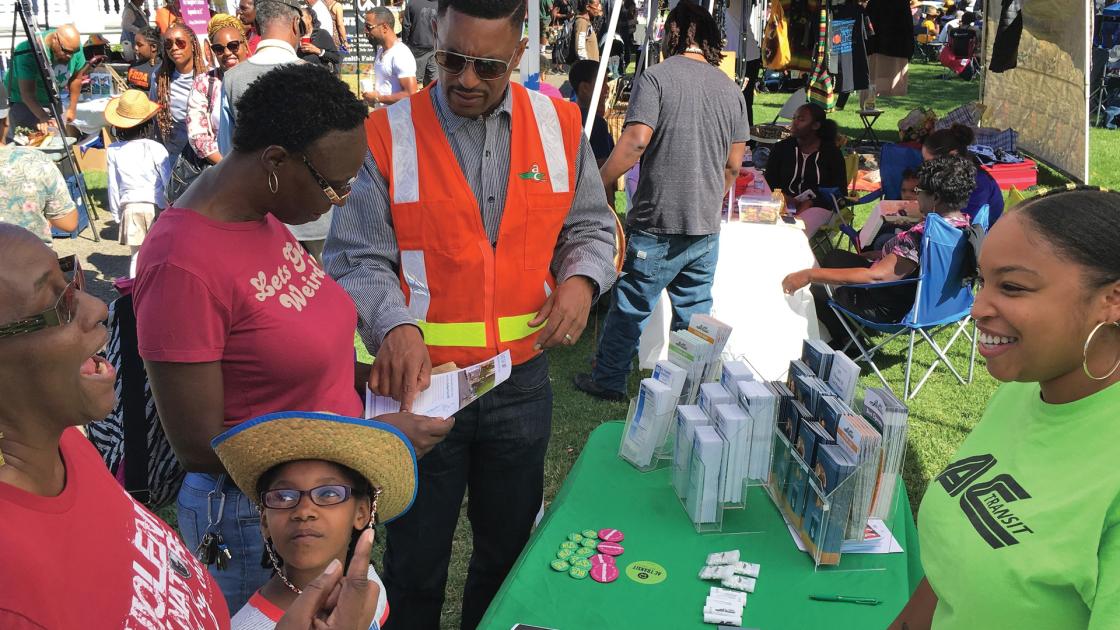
(1022, 529)
(24, 67)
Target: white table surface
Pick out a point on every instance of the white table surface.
(768, 325)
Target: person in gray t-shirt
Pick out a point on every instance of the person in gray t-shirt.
(687, 122)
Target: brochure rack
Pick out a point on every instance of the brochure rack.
(822, 520)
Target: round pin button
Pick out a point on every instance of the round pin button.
(590, 542)
(567, 544)
(577, 573)
(564, 554)
(575, 537)
(604, 573)
(560, 565)
(602, 558)
(611, 535)
(585, 552)
(590, 533)
(582, 563)
(610, 548)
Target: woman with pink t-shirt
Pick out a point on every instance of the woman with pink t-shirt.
(234, 318)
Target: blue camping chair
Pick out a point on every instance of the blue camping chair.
(942, 298)
(79, 204)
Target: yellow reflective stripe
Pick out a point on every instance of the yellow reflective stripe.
(463, 334)
(516, 327)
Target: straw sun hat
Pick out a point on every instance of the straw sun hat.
(377, 451)
(130, 109)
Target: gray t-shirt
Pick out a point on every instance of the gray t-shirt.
(696, 113)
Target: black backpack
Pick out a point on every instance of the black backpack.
(564, 46)
(131, 439)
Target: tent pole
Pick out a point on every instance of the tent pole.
(604, 58)
(531, 61)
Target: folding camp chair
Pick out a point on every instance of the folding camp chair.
(80, 206)
(942, 299)
(831, 235)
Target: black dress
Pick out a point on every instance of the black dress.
(329, 58)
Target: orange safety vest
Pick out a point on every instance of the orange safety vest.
(470, 299)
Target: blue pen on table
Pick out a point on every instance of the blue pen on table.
(867, 601)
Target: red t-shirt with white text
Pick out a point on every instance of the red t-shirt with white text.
(248, 295)
(93, 558)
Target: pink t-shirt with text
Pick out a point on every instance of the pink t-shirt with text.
(248, 295)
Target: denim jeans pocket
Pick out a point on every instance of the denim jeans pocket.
(644, 254)
(529, 377)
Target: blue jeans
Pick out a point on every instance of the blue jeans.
(685, 265)
(240, 526)
(495, 454)
(1110, 114)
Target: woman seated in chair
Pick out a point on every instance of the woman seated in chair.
(955, 141)
(944, 185)
(804, 163)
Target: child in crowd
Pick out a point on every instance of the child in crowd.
(910, 185)
(319, 481)
(146, 48)
(137, 168)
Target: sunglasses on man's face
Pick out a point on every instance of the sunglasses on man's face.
(171, 44)
(233, 47)
(456, 63)
(65, 307)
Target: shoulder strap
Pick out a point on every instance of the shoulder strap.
(135, 426)
(210, 95)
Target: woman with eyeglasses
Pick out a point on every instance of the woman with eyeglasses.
(227, 42)
(181, 61)
(1022, 527)
(67, 526)
(234, 318)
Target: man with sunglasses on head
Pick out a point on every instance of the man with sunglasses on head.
(477, 225)
(27, 91)
(394, 65)
(280, 24)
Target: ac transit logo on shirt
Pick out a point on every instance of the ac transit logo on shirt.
(985, 503)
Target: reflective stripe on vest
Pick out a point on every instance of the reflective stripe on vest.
(552, 139)
(406, 174)
(465, 334)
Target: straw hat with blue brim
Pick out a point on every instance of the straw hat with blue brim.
(377, 451)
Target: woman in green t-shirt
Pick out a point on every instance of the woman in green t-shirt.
(1022, 528)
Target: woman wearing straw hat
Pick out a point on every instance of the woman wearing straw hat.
(78, 552)
(319, 481)
(234, 318)
(136, 167)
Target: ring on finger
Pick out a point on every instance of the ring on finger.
(567, 338)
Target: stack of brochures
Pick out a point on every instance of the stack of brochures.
(645, 429)
(702, 502)
(693, 354)
(890, 417)
(715, 333)
(760, 401)
(688, 417)
(734, 426)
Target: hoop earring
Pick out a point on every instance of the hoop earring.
(1085, 353)
(273, 182)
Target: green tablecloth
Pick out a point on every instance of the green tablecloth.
(604, 491)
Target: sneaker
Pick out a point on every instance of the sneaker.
(587, 385)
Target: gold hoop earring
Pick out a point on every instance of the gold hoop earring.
(273, 182)
(1085, 353)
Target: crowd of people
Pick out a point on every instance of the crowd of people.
(445, 214)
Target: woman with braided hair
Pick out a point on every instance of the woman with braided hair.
(229, 47)
(182, 60)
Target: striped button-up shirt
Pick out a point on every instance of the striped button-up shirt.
(362, 252)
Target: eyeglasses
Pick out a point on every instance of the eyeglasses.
(169, 44)
(323, 496)
(233, 47)
(369, 27)
(336, 195)
(919, 190)
(487, 69)
(64, 309)
(67, 51)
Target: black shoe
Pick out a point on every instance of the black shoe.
(587, 385)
